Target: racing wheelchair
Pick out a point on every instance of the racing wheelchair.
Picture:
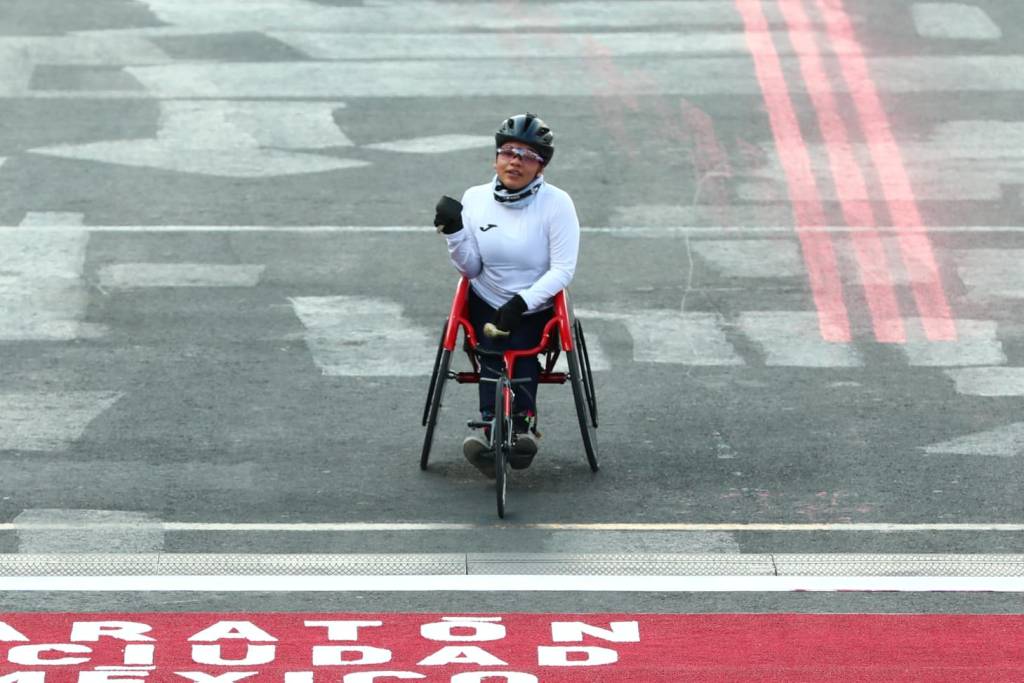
(563, 333)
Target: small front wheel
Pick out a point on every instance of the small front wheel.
(501, 440)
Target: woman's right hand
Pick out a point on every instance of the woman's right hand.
(448, 215)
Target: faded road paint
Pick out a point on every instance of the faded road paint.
(363, 337)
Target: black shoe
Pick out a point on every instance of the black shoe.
(525, 440)
(478, 452)
(524, 447)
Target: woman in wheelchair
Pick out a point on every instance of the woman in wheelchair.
(517, 239)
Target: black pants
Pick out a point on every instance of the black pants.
(526, 336)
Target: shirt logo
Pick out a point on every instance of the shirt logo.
(485, 228)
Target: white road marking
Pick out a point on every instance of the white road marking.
(752, 258)
(991, 273)
(618, 543)
(664, 76)
(429, 17)
(992, 381)
(953, 74)
(46, 218)
(435, 144)
(19, 56)
(232, 139)
(977, 343)
(970, 160)
(791, 338)
(674, 337)
(42, 295)
(564, 565)
(954, 21)
(16, 69)
(419, 527)
(598, 359)
(139, 275)
(45, 531)
(354, 336)
(434, 78)
(1007, 441)
(737, 217)
(514, 583)
(49, 421)
(658, 231)
(489, 45)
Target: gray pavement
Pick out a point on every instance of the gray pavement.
(220, 294)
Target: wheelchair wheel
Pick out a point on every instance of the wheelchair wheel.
(579, 395)
(444, 362)
(580, 342)
(433, 374)
(501, 439)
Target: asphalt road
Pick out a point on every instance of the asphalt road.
(221, 293)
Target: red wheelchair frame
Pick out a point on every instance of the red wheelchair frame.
(563, 333)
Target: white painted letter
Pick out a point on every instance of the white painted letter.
(573, 631)
(139, 655)
(559, 656)
(483, 628)
(32, 654)
(254, 654)
(334, 655)
(241, 630)
(343, 630)
(462, 654)
(481, 676)
(9, 634)
(24, 677)
(92, 631)
(113, 677)
(372, 676)
(200, 677)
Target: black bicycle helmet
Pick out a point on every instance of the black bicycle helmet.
(529, 129)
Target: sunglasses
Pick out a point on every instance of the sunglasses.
(509, 153)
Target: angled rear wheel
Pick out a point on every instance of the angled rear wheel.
(433, 374)
(433, 408)
(579, 394)
(580, 342)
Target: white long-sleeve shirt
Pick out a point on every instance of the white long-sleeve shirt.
(530, 251)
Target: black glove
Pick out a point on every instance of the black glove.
(448, 215)
(508, 316)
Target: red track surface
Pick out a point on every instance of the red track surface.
(647, 648)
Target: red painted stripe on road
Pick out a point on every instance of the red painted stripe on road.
(915, 246)
(819, 257)
(510, 648)
(851, 188)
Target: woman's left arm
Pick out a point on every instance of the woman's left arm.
(564, 245)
